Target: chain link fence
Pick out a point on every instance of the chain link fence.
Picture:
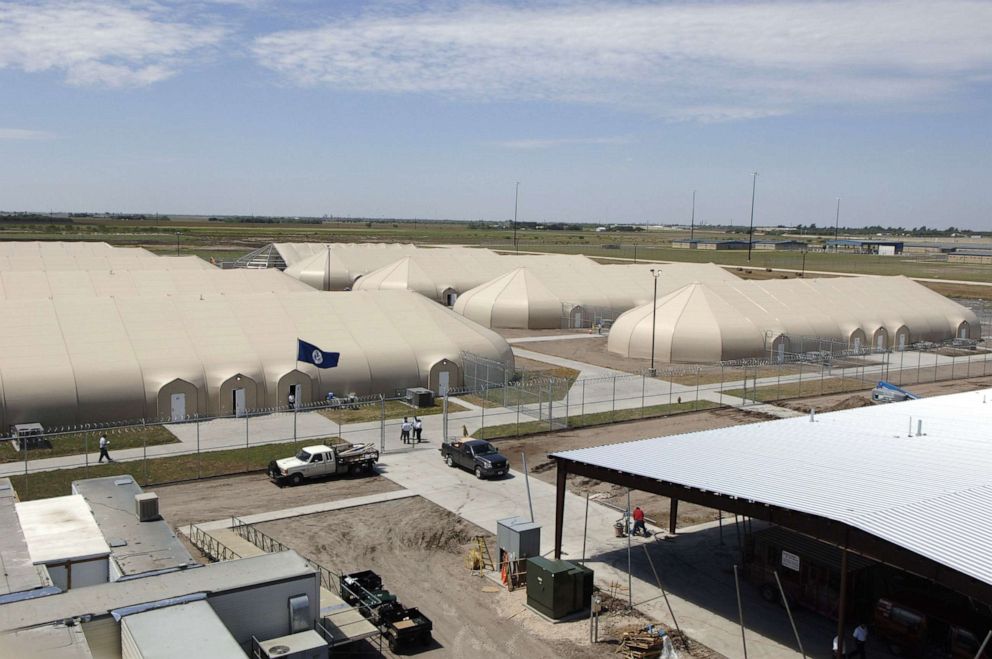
(493, 404)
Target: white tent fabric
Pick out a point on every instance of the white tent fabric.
(22, 284)
(560, 293)
(335, 267)
(707, 323)
(69, 360)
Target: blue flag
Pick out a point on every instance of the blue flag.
(311, 354)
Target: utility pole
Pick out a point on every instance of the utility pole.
(750, 232)
(177, 243)
(692, 220)
(516, 198)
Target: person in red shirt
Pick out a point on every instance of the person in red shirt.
(639, 528)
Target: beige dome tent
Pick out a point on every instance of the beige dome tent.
(72, 360)
(707, 323)
(561, 293)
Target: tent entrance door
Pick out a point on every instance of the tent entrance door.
(178, 407)
(238, 400)
(295, 390)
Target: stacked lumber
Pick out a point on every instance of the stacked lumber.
(641, 644)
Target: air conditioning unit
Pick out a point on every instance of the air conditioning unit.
(303, 645)
(146, 507)
(420, 397)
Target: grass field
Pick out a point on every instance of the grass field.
(814, 387)
(226, 241)
(87, 442)
(155, 471)
(594, 419)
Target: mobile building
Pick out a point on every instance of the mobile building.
(880, 247)
(685, 243)
(721, 244)
(779, 245)
(61, 535)
(140, 541)
(183, 630)
(261, 597)
(20, 578)
(977, 256)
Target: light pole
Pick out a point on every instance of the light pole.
(655, 272)
(803, 273)
(837, 221)
(177, 243)
(516, 198)
(750, 232)
(692, 220)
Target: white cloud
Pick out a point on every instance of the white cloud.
(700, 60)
(109, 44)
(550, 143)
(25, 134)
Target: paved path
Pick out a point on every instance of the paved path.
(559, 337)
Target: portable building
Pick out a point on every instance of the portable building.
(137, 547)
(62, 535)
(20, 578)
(183, 630)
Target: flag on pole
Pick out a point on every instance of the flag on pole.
(311, 354)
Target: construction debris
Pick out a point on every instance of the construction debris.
(651, 642)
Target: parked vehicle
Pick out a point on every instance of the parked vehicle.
(320, 461)
(918, 625)
(476, 455)
(401, 626)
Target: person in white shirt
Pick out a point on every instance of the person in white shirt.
(860, 640)
(292, 402)
(104, 443)
(405, 430)
(418, 428)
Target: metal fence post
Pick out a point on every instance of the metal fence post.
(582, 409)
(198, 446)
(613, 412)
(643, 385)
(695, 403)
(144, 447)
(246, 439)
(382, 420)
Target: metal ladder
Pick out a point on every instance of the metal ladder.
(484, 555)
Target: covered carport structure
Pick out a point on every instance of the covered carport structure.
(904, 484)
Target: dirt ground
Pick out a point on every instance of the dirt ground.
(419, 550)
(842, 401)
(217, 498)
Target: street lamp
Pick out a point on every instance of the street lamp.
(655, 272)
(837, 221)
(750, 232)
(177, 243)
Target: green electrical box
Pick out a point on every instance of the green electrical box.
(557, 588)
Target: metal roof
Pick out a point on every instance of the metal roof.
(152, 634)
(19, 574)
(136, 547)
(99, 600)
(866, 468)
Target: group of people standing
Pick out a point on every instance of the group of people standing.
(411, 431)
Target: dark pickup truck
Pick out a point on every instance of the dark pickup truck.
(476, 455)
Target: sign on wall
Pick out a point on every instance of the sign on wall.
(790, 560)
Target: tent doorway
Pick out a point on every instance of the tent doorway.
(177, 407)
(238, 402)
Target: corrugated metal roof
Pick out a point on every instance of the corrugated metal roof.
(860, 467)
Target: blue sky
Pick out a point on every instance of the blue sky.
(604, 111)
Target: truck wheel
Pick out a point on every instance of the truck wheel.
(394, 644)
(296, 479)
(478, 473)
(449, 461)
(769, 593)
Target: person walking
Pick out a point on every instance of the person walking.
(405, 430)
(418, 428)
(860, 641)
(639, 527)
(292, 401)
(104, 451)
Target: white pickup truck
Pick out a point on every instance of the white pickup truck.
(320, 461)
